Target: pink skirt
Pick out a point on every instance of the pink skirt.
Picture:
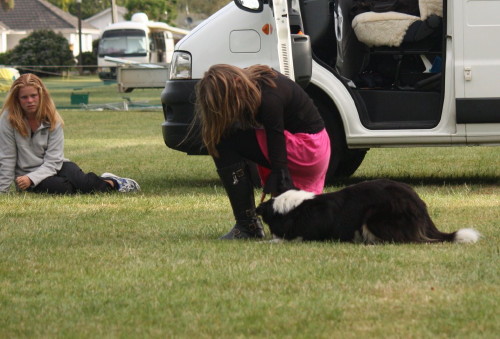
(308, 158)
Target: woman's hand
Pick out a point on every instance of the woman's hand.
(279, 181)
(23, 182)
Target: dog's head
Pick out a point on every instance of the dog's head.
(275, 211)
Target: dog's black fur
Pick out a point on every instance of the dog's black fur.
(372, 211)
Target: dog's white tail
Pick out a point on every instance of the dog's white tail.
(466, 235)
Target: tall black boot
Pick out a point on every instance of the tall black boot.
(239, 188)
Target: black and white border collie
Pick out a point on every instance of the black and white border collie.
(370, 212)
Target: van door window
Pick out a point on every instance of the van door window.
(160, 47)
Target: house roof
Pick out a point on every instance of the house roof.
(3, 27)
(119, 9)
(39, 14)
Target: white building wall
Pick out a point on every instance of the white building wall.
(75, 44)
(103, 19)
(3, 42)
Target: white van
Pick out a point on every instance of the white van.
(380, 76)
(135, 41)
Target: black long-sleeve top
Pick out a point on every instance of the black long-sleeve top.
(286, 107)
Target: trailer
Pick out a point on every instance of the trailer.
(138, 41)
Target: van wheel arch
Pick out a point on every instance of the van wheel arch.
(343, 161)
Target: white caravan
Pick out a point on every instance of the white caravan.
(427, 76)
(136, 41)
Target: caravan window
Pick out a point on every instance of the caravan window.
(123, 43)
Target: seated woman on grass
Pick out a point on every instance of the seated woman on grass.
(32, 147)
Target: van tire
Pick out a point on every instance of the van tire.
(343, 161)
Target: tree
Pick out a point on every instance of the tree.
(89, 7)
(42, 48)
(156, 10)
(201, 6)
(7, 4)
(62, 4)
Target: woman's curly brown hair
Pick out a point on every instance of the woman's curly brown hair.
(229, 96)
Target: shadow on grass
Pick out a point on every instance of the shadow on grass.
(156, 185)
(425, 180)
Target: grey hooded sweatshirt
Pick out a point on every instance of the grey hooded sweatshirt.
(39, 155)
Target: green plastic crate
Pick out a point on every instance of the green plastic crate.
(79, 98)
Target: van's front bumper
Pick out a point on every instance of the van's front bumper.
(178, 98)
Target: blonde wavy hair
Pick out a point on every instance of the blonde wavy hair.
(229, 96)
(46, 112)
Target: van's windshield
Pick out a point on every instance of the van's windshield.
(123, 43)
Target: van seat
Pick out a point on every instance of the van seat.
(400, 44)
(392, 28)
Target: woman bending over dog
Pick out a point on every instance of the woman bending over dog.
(258, 114)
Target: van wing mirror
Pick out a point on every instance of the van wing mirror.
(254, 6)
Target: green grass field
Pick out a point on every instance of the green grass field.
(149, 264)
(97, 92)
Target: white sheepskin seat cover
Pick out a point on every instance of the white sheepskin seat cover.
(382, 29)
(429, 7)
(389, 28)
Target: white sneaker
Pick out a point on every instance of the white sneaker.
(124, 184)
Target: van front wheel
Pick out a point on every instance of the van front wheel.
(343, 161)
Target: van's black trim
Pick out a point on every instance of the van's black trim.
(478, 110)
(389, 109)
